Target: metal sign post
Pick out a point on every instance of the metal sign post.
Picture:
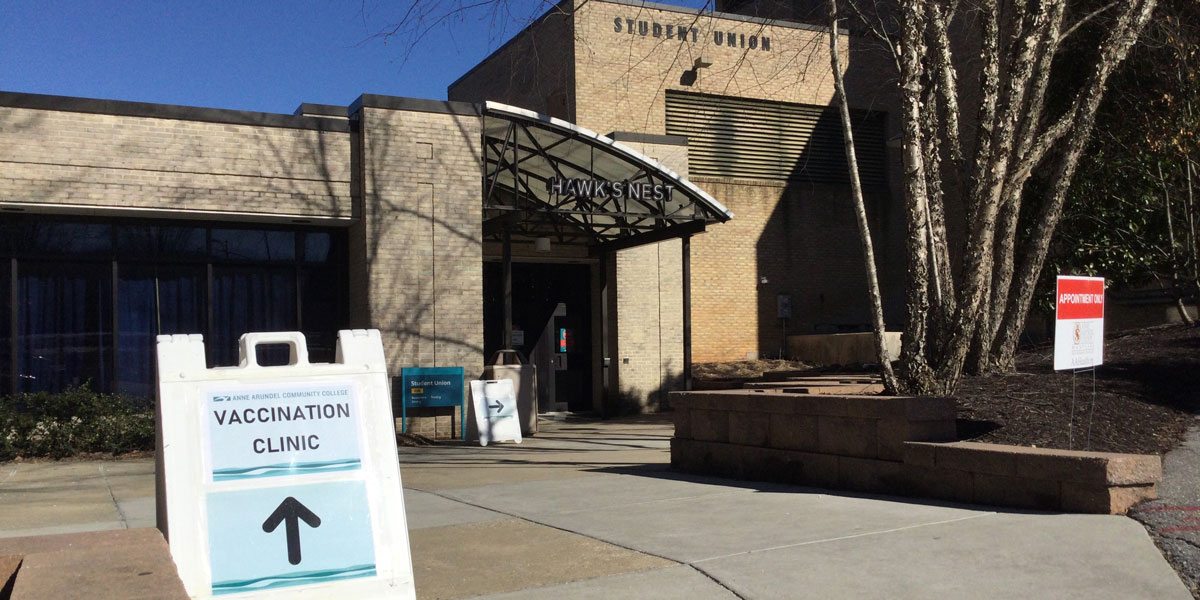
(1079, 336)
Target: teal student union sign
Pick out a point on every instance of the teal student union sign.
(423, 387)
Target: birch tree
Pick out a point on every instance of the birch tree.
(975, 148)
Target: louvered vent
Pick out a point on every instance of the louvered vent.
(735, 137)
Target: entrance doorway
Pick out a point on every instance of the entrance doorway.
(552, 318)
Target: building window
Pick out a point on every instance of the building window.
(64, 325)
(83, 301)
(250, 299)
(154, 300)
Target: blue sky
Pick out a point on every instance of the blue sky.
(249, 55)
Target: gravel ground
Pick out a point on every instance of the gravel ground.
(1173, 520)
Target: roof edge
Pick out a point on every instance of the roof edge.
(125, 108)
(447, 107)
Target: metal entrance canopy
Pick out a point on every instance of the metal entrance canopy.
(545, 177)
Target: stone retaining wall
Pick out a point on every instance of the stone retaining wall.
(894, 445)
(99, 565)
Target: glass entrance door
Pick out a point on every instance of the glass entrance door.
(551, 327)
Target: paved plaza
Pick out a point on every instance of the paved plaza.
(591, 509)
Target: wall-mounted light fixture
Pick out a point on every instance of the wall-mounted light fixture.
(689, 76)
(542, 245)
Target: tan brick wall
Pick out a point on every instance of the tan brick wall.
(420, 244)
(438, 423)
(649, 323)
(622, 78)
(803, 239)
(71, 159)
(649, 317)
(532, 71)
(620, 83)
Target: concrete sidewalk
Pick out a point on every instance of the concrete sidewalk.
(590, 509)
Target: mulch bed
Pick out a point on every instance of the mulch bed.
(1147, 393)
(731, 375)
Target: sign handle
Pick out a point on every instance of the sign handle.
(298, 348)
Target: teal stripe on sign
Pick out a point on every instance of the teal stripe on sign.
(292, 579)
(289, 466)
(286, 469)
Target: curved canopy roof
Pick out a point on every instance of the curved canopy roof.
(545, 177)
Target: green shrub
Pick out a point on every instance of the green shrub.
(74, 421)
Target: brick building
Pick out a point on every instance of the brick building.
(746, 100)
(120, 221)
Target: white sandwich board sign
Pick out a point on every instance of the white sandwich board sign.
(494, 403)
(281, 481)
(1078, 322)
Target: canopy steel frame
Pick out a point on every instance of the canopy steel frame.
(525, 151)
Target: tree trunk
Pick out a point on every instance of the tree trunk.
(1027, 156)
(946, 94)
(1112, 51)
(1190, 211)
(860, 209)
(1173, 256)
(915, 375)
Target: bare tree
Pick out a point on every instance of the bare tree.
(860, 209)
(984, 302)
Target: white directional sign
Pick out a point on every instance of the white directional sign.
(281, 481)
(495, 406)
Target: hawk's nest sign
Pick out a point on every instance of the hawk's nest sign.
(1079, 322)
(281, 481)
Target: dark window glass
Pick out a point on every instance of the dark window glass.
(320, 311)
(137, 241)
(6, 369)
(64, 332)
(317, 247)
(182, 242)
(247, 299)
(9, 232)
(39, 238)
(253, 244)
(153, 301)
(143, 242)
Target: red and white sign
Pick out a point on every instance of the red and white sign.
(1079, 322)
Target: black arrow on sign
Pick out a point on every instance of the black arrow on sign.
(497, 406)
(292, 511)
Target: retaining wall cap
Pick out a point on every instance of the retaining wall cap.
(1080, 466)
(917, 408)
(78, 541)
(106, 565)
